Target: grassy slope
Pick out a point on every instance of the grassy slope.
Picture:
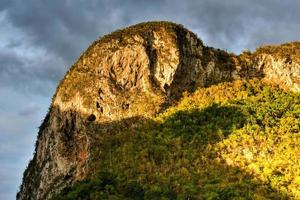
(237, 140)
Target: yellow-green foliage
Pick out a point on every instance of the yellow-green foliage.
(237, 140)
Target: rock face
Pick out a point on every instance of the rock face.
(131, 73)
(278, 64)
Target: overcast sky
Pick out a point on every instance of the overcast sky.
(39, 40)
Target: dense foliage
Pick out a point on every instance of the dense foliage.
(237, 140)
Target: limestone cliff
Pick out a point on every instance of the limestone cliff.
(132, 73)
(279, 64)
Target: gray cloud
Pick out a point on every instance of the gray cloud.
(64, 29)
(236, 25)
(20, 117)
(41, 39)
(56, 25)
(35, 75)
(29, 110)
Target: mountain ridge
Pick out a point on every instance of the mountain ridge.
(135, 72)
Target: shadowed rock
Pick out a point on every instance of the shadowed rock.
(137, 71)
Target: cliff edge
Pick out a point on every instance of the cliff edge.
(129, 75)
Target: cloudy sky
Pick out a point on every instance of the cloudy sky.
(39, 40)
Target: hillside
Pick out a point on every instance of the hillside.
(150, 112)
(235, 140)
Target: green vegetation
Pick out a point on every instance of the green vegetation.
(237, 140)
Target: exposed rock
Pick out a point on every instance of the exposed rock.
(133, 72)
(279, 64)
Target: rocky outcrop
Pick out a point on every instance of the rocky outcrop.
(279, 64)
(131, 73)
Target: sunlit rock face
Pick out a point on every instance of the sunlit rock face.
(131, 73)
(134, 72)
(282, 71)
(279, 64)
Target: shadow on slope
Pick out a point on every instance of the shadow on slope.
(171, 158)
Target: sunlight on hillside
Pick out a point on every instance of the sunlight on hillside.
(235, 140)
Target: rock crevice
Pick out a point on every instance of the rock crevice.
(134, 72)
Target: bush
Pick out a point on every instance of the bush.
(236, 140)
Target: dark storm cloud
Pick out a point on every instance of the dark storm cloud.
(9, 60)
(62, 27)
(40, 39)
(35, 75)
(65, 28)
(236, 25)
